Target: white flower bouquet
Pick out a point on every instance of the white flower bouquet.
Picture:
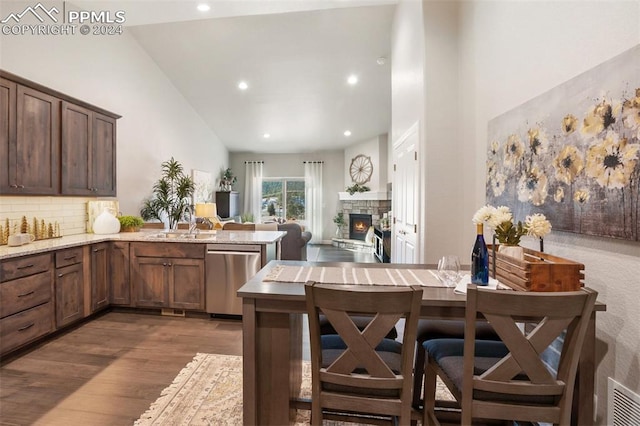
(500, 220)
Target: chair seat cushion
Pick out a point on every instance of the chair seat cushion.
(449, 355)
(441, 348)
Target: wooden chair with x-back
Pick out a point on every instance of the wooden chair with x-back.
(362, 372)
(513, 379)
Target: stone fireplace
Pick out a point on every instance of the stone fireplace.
(374, 205)
(359, 225)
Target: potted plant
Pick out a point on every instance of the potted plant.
(171, 198)
(227, 180)
(356, 187)
(130, 223)
(338, 219)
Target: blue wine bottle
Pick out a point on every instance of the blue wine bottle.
(480, 259)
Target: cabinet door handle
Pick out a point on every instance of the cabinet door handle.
(95, 250)
(61, 275)
(70, 257)
(26, 266)
(13, 185)
(170, 264)
(27, 327)
(26, 294)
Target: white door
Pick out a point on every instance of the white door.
(405, 198)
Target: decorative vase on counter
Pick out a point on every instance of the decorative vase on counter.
(106, 223)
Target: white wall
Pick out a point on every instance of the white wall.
(114, 73)
(509, 53)
(376, 148)
(407, 91)
(291, 165)
(443, 155)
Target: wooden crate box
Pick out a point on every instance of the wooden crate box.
(537, 272)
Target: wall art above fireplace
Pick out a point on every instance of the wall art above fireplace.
(573, 153)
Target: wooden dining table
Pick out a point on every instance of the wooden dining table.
(272, 324)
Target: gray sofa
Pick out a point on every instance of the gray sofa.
(294, 244)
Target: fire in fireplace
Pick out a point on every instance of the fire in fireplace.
(358, 226)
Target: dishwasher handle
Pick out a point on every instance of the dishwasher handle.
(224, 248)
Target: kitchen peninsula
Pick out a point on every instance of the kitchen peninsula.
(48, 285)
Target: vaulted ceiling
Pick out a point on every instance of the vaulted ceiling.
(295, 57)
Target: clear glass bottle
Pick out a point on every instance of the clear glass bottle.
(480, 259)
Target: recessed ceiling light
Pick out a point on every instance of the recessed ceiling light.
(203, 7)
(243, 85)
(381, 60)
(353, 79)
(347, 133)
(267, 135)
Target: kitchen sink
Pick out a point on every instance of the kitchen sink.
(184, 235)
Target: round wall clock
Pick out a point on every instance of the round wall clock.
(361, 169)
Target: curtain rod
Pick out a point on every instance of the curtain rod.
(254, 162)
(314, 162)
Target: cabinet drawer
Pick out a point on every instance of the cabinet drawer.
(191, 251)
(18, 329)
(68, 257)
(24, 293)
(24, 266)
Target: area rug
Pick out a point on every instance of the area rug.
(208, 391)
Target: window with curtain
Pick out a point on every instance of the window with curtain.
(313, 195)
(252, 189)
(283, 198)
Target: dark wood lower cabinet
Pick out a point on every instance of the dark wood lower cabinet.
(99, 276)
(168, 275)
(120, 291)
(169, 283)
(26, 303)
(46, 292)
(186, 284)
(69, 294)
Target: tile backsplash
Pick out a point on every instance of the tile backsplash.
(69, 212)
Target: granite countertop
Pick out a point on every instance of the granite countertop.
(219, 237)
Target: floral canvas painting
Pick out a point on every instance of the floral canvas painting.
(573, 153)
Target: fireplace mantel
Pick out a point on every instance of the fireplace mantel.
(369, 195)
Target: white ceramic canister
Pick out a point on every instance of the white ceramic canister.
(106, 223)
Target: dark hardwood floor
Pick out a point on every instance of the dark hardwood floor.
(327, 253)
(108, 370)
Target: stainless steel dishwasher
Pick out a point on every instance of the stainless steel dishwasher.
(228, 267)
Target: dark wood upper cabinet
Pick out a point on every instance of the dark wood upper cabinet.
(88, 152)
(52, 144)
(31, 140)
(7, 133)
(103, 155)
(77, 133)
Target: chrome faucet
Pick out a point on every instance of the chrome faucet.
(193, 225)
